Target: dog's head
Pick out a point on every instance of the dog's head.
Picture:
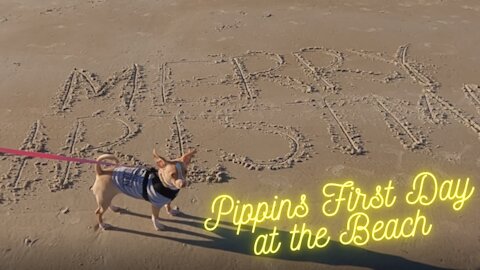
(174, 171)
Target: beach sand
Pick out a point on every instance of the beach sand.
(278, 97)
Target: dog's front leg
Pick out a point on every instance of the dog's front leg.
(156, 222)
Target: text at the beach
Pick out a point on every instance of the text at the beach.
(343, 197)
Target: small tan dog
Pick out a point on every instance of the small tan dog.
(158, 187)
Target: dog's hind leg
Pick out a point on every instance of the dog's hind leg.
(103, 205)
(104, 191)
(101, 209)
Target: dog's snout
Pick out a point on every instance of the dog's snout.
(181, 183)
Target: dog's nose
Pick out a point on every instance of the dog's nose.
(180, 183)
(184, 183)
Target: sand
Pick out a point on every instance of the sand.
(278, 97)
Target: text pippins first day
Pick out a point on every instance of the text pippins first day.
(425, 190)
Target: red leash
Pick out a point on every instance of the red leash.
(17, 152)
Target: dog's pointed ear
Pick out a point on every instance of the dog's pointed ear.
(160, 161)
(186, 158)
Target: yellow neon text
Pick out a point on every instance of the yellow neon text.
(425, 190)
(353, 198)
(359, 233)
(321, 238)
(261, 243)
(247, 213)
(220, 201)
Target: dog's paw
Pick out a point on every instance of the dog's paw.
(157, 225)
(174, 212)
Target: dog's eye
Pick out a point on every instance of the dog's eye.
(174, 175)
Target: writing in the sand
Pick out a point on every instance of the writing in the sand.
(339, 198)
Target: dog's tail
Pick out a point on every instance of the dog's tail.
(98, 167)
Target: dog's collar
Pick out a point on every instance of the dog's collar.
(158, 185)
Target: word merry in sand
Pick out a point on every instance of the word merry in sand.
(341, 197)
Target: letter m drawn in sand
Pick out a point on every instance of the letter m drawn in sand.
(94, 87)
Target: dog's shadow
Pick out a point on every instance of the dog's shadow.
(226, 239)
